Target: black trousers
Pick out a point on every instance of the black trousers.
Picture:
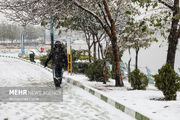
(57, 75)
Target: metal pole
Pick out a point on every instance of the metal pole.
(68, 62)
(71, 59)
(22, 44)
(51, 32)
(68, 53)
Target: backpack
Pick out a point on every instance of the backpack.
(59, 56)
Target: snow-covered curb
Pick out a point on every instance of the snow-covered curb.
(96, 93)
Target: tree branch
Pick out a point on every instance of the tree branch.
(113, 28)
(104, 15)
(93, 14)
(167, 5)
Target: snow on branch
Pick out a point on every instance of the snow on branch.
(93, 14)
(33, 11)
(166, 4)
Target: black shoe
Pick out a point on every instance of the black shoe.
(59, 79)
(58, 87)
(56, 83)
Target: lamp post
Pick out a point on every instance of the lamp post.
(51, 32)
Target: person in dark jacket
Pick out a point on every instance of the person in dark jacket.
(31, 56)
(59, 61)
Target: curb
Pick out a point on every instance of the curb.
(94, 92)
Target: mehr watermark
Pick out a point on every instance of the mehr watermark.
(30, 94)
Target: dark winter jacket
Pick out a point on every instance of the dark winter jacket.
(58, 56)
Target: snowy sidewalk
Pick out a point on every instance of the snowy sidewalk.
(77, 104)
(136, 103)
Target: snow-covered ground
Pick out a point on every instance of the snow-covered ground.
(77, 104)
(11, 52)
(16, 52)
(139, 100)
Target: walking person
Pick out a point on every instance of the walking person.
(59, 61)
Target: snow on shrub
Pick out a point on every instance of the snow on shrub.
(167, 81)
(95, 71)
(138, 80)
(80, 67)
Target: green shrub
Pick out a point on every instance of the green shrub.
(138, 80)
(80, 67)
(95, 71)
(75, 55)
(167, 81)
(44, 58)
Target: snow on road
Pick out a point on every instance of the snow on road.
(77, 104)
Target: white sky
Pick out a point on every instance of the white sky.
(2, 17)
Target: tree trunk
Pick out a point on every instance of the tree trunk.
(136, 64)
(94, 42)
(172, 51)
(87, 36)
(89, 53)
(94, 51)
(105, 71)
(99, 52)
(173, 38)
(129, 63)
(102, 54)
(129, 67)
(118, 77)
